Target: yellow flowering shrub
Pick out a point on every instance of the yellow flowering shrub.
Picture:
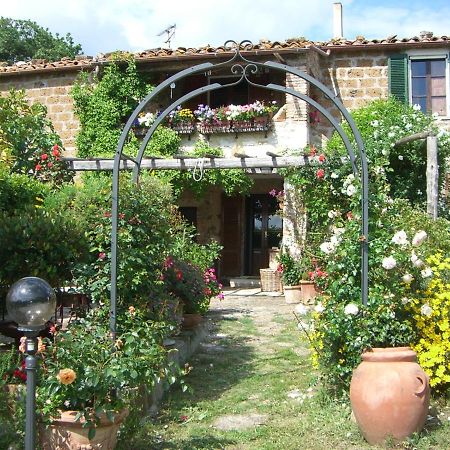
(431, 312)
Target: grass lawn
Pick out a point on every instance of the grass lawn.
(258, 375)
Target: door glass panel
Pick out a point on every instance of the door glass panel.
(419, 86)
(438, 68)
(418, 68)
(257, 224)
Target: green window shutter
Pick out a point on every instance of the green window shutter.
(398, 77)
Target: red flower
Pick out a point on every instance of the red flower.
(44, 156)
(321, 157)
(280, 268)
(179, 275)
(184, 418)
(349, 215)
(38, 167)
(55, 150)
(101, 256)
(107, 214)
(320, 173)
(313, 151)
(50, 165)
(121, 216)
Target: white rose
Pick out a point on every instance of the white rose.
(419, 237)
(416, 261)
(326, 247)
(426, 310)
(301, 309)
(426, 273)
(334, 175)
(407, 278)
(389, 262)
(350, 190)
(400, 238)
(405, 300)
(351, 309)
(319, 308)
(332, 214)
(338, 231)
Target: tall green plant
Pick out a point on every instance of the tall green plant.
(103, 103)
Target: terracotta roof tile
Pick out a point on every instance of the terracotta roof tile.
(82, 61)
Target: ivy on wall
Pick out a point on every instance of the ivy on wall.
(103, 103)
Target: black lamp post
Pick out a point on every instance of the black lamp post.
(30, 302)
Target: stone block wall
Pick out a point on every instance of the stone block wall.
(356, 78)
(52, 90)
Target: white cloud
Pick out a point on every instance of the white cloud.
(106, 25)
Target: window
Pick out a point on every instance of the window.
(422, 80)
(428, 86)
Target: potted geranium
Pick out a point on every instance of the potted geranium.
(88, 381)
(192, 287)
(292, 272)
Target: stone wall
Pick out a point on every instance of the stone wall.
(355, 78)
(52, 90)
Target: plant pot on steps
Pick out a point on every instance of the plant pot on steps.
(191, 321)
(308, 293)
(390, 394)
(293, 294)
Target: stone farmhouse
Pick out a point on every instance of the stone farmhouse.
(415, 70)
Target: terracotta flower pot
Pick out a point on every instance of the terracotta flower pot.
(66, 433)
(293, 294)
(390, 394)
(308, 292)
(191, 321)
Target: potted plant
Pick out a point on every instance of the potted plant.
(292, 273)
(389, 392)
(88, 382)
(192, 287)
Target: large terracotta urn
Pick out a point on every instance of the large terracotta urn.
(67, 433)
(390, 394)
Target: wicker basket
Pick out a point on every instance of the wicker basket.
(270, 280)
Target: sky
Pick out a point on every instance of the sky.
(102, 26)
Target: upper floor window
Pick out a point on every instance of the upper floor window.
(422, 80)
(428, 85)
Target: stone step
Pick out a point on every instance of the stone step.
(245, 282)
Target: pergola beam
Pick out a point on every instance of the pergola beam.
(100, 164)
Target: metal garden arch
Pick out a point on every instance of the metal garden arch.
(242, 67)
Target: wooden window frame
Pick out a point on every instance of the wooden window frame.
(428, 58)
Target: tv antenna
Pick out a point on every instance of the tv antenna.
(170, 30)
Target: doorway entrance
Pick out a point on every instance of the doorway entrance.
(264, 231)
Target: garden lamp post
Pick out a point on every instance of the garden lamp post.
(30, 302)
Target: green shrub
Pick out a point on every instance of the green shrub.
(35, 242)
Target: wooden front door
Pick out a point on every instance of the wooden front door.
(264, 231)
(232, 237)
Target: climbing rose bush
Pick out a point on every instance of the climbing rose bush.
(50, 168)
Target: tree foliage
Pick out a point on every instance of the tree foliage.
(22, 40)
